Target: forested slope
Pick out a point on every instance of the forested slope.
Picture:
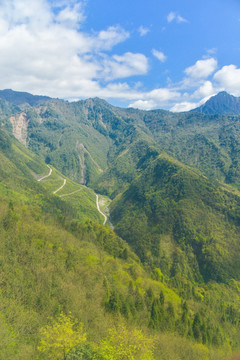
(172, 264)
(52, 263)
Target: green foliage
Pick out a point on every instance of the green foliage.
(57, 339)
(183, 226)
(122, 343)
(83, 351)
(172, 201)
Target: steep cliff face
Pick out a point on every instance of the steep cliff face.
(19, 125)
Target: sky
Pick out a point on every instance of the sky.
(145, 54)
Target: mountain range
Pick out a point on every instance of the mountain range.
(171, 184)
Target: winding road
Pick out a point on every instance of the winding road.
(46, 176)
(97, 203)
(64, 183)
(74, 192)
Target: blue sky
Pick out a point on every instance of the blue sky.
(146, 54)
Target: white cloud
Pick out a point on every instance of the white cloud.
(126, 65)
(184, 106)
(204, 90)
(159, 55)
(71, 16)
(172, 16)
(162, 95)
(107, 39)
(155, 98)
(44, 52)
(143, 30)
(202, 69)
(228, 78)
(143, 104)
(212, 51)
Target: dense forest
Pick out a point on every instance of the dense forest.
(161, 279)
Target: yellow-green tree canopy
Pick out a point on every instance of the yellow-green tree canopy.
(126, 344)
(61, 336)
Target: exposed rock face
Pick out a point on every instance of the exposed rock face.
(20, 123)
(81, 150)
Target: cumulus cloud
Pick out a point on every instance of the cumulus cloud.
(43, 50)
(162, 95)
(155, 98)
(202, 68)
(184, 106)
(159, 55)
(195, 89)
(172, 16)
(143, 30)
(128, 64)
(228, 78)
(143, 104)
(71, 16)
(106, 39)
(206, 89)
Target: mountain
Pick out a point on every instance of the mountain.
(222, 103)
(19, 98)
(171, 265)
(97, 144)
(171, 206)
(88, 140)
(53, 263)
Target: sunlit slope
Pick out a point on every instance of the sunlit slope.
(81, 198)
(84, 139)
(52, 262)
(26, 177)
(171, 206)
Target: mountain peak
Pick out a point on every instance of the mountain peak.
(222, 103)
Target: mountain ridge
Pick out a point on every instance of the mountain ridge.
(222, 103)
(20, 98)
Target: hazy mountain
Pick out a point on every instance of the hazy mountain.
(222, 103)
(22, 98)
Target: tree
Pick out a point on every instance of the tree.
(60, 337)
(157, 315)
(125, 344)
(83, 351)
(196, 327)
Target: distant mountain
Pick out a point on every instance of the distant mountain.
(222, 103)
(22, 98)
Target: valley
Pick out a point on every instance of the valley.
(126, 220)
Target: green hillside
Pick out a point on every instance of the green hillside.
(170, 205)
(84, 139)
(20, 170)
(171, 266)
(53, 263)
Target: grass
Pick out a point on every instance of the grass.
(82, 198)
